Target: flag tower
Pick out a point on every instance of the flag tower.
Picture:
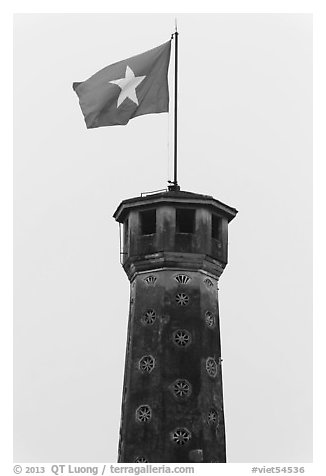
(175, 247)
(174, 251)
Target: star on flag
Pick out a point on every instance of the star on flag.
(128, 86)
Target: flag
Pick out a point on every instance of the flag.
(129, 88)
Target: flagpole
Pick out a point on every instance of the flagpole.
(175, 187)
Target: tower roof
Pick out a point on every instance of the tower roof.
(174, 198)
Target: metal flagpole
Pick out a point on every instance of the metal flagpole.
(175, 186)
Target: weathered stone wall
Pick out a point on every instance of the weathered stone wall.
(172, 409)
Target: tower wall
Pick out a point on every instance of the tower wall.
(172, 409)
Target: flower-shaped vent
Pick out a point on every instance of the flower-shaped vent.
(212, 417)
(146, 364)
(144, 414)
(148, 317)
(181, 388)
(209, 319)
(141, 459)
(182, 279)
(150, 280)
(180, 436)
(211, 367)
(181, 338)
(182, 299)
(209, 283)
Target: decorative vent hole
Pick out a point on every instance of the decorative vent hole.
(212, 417)
(181, 338)
(182, 299)
(181, 436)
(209, 283)
(181, 388)
(149, 317)
(141, 459)
(211, 367)
(182, 279)
(144, 414)
(146, 364)
(209, 319)
(150, 280)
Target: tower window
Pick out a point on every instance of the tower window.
(185, 220)
(216, 227)
(148, 222)
(125, 234)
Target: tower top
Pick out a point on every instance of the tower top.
(178, 198)
(174, 229)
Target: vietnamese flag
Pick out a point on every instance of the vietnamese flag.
(127, 89)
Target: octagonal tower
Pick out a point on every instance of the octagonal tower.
(175, 248)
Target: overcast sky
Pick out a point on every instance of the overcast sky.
(245, 137)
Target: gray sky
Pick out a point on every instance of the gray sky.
(245, 137)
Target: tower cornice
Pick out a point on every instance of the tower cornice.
(173, 260)
(174, 198)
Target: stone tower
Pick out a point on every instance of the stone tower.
(174, 251)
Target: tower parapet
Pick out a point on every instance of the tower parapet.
(175, 248)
